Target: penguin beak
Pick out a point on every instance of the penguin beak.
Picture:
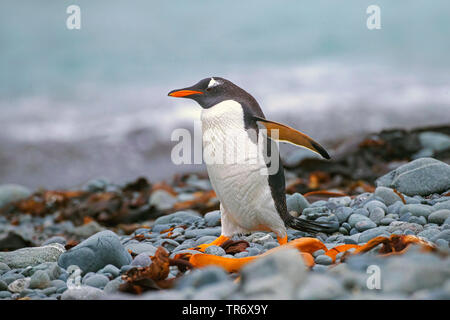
(183, 93)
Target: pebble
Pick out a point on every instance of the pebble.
(376, 214)
(423, 176)
(365, 225)
(372, 233)
(439, 216)
(296, 202)
(355, 218)
(96, 281)
(19, 285)
(12, 192)
(141, 260)
(32, 256)
(83, 293)
(342, 213)
(388, 195)
(417, 210)
(212, 219)
(39, 280)
(215, 250)
(180, 217)
(323, 260)
(96, 252)
(442, 235)
(110, 270)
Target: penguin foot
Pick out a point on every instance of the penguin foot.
(283, 240)
(218, 242)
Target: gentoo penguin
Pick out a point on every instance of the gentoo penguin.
(249, 199)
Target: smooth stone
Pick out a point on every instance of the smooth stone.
(341, 201)
(395, 208)
(141, 260)
(55, 239)
(419, 220)
(203, 232)
(180, 217)
(372, 233)
(362, 211)
(57, 283)
(442, 243)
(162, 200)
(141, 247)
(4, 268)
(387, 194)
(402, 226)
(423, 176)
(270, 245)
(386, 221)
(355, 218)
(347, 226)
(342, 213)
(316, 212)
(441, 205)
(5, 294)
(212, 219)
(442, 235)
(296, 202)
(113, 286)
(110, 269)
(25, 257)
(12, 193)
(96, 252)
(429, 233)
(87, 230)
(83, 293)
(434, 141)
(215, 250)
(323, 260)
(439, 216)
(96, 281)
(416, 210)
(365, 225)
(275, 275)
(242, 254)
(199, 278)
(19, 285)
(39, 280)
(320, 286)
(343, 231)
(376, 214)
(372, 204)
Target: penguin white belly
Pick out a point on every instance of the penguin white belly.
(235, 165)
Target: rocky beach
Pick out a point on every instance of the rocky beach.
(386, 194)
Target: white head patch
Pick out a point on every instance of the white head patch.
(213, 83)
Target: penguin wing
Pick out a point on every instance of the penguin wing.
(290, 135)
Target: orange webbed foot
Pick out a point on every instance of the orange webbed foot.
(282, 241)
(218, 242)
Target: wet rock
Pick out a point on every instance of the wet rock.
(25, 257)
(355, 218)
(342, 213)
(96, 252)
(423, 176)
(365, 225)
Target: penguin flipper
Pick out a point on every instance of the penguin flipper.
(290, 135)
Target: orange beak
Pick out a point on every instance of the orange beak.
(183, 93)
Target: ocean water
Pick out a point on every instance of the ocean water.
(81, 104)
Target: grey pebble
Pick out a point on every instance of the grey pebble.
(323, 260)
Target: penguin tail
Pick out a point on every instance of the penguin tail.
(310, 226)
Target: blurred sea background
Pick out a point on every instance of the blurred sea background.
(82, 104)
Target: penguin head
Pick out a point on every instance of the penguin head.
(210, 91)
